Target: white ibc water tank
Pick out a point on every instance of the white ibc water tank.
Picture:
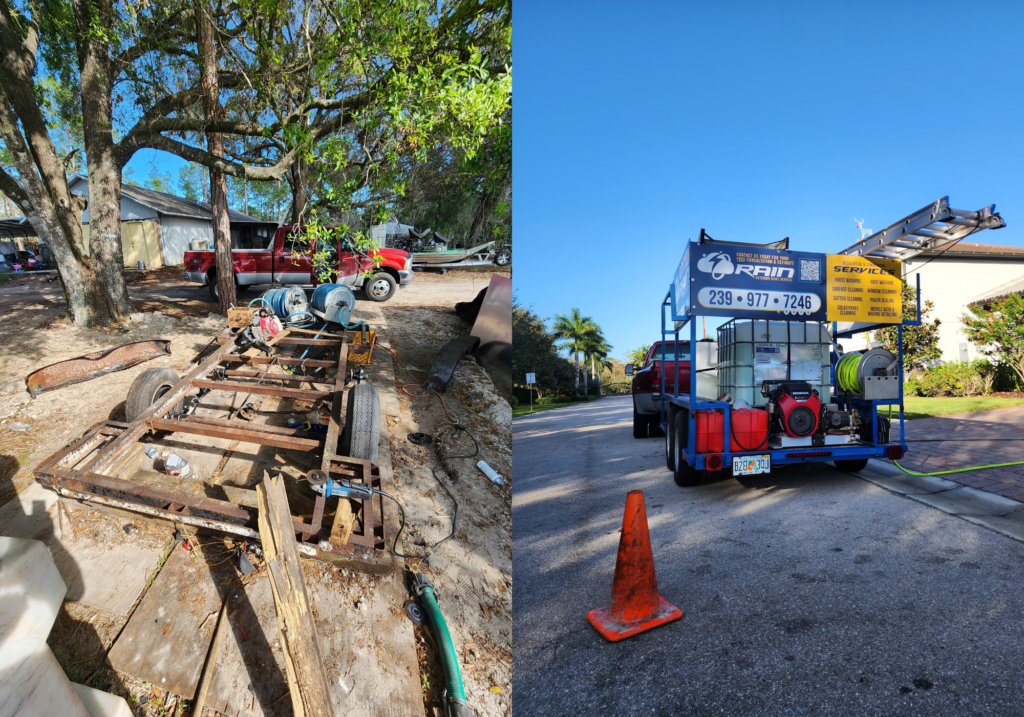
(751, 352)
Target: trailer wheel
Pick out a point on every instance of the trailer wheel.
(639, 424)
(361, 436)
(670, 438)
(148, 387)
(503, 257)
(853, 465)
(654, 425)
(684, 474)
(380, 287)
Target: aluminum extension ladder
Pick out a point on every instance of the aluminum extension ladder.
(929, 229)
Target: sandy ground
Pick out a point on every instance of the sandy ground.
(471, 572)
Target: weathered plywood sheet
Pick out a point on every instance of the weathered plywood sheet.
(102, 566)
(169, 634)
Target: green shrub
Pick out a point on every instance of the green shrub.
(954, 379)
(515, 401)
(617, 388)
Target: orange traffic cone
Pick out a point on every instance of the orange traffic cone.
(636, 605)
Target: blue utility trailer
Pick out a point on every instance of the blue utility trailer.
(756, 284)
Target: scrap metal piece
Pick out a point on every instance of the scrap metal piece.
(446, 361)
(98, 363)
(493, 326)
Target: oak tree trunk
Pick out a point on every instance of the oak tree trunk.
(300, 177)
(90, 270)
(215, 145)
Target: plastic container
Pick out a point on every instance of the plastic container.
(751, 352)
(710, 430)
(748, 430)
(177, 466)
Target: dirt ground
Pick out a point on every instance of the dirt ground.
(471, 572)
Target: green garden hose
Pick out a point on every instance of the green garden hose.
(958, 470)
(846, 373)
(455, 693)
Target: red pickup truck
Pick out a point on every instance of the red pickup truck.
(261, 255)
(647, 385)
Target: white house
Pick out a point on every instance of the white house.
(159, 228)
(957, 276)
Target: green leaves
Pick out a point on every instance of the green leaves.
(920, 343)
(998, 330)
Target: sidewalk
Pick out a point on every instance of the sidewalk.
(1002, 423)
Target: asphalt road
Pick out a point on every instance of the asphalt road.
(806, 592)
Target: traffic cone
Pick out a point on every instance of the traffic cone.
(636, 605)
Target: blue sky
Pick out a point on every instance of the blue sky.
(638, 124)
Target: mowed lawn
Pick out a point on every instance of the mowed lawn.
(920, 407)
(523, 409)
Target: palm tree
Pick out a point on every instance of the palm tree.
(596, 348)
(575, 330)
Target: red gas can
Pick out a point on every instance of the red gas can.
(710, 430)
(749, 430)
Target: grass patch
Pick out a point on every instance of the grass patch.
(921, 407)
(524, 409)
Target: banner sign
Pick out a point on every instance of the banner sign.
(739, 281)
(864, 290)
(681, 290)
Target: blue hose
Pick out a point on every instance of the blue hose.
(276, 299)
(318, 302)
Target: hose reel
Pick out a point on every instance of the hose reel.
(335, 303)
(873, 374)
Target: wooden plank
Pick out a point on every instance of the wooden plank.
(331, 445)
(211, 663)
(129, 464)
(241, 316)
(161, 641)
(304, 665)
(343, 520)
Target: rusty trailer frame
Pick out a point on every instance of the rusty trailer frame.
(78, 471)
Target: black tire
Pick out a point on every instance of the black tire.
(853, 465)
(654, 425)
(670, 439)
(503, 257)
(147, 389)
(211, 284)
(380, 287)
(640, 424)
(685, 476)
(361, 436)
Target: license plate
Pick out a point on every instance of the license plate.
(751, 465)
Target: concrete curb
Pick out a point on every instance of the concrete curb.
(1003, 515)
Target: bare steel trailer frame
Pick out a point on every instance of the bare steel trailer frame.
(81, 470)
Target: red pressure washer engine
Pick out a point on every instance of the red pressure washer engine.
(793, 407)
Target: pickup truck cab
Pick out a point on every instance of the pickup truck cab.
(650, 380)
(262, 254)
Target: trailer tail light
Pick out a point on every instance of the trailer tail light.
(895, 452)
(714, 462)
(809, 454)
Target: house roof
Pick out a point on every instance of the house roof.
(171, 205)
(15, 227)
(964, 250)
(1011, 287)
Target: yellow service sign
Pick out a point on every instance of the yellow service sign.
(858, 289)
